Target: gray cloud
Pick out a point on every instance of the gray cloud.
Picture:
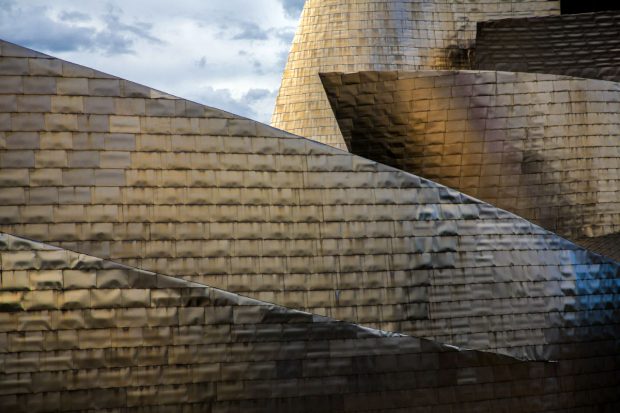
(202, 62)
(114, 24)
(255, 95)
(285, 35)
(74, 16)
(225, 54)
(244, 30)
(293, 8)
(23, 24)
(249, 105)
(250, 31)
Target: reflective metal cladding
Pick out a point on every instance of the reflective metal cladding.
(157, 255)
(542, 146)
(81, 334)
(355, 35)
(584, 45)
(120, 171)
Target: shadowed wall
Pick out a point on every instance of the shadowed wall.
(81, 334)
(583, 45)
(542, 146)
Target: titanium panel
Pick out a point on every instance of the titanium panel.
(582, 45)
(200, 194)
(136, 341)
(542, 146)
(355, 35)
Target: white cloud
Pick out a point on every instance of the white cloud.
(218, 53)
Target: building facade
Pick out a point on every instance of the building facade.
(157, 255)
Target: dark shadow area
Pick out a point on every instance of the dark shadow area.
(581, 6)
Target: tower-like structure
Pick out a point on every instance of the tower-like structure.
(358, 35)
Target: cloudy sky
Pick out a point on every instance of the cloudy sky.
(224, 53)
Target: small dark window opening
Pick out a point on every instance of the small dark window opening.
(588, 6)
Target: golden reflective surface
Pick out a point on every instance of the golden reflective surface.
(273, 224)
(542, 146)
(81, 334)
(356, 35)
(582, 45)
(173, 187)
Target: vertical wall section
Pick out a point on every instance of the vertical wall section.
(354, 35)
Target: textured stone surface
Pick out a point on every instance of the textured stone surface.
(584, 45)
(228, 202)
(354, 35)
(81, 334)
(542, 146)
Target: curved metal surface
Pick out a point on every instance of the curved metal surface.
(354, 35)
(542, 146)
(106, 167)
(584, 45)
(81, 334)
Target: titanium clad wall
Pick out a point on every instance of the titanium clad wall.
(608, 245)
(81, 334)
(583, 45)
(354, 35)
(113, 169)
(545, 147)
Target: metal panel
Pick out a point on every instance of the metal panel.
(229, 351)
(563, 176)
(350, 36)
